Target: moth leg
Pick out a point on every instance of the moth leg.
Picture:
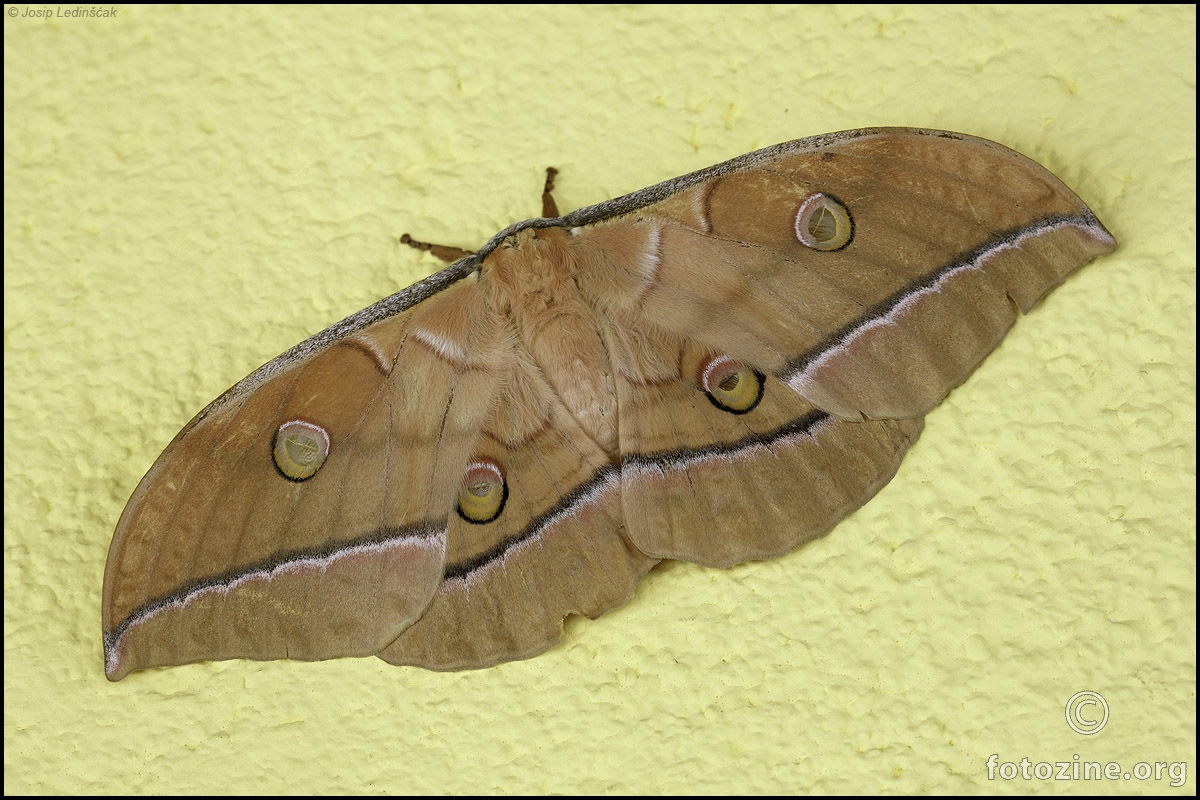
(444, 252)
(549, 207)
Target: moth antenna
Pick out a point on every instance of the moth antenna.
(451, 254)
(549, 207)
(444, 252)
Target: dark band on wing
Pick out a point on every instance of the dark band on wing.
(927, 281)
(584, 493)
(382, 537)
(608, 477)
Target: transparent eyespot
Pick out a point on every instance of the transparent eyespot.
(483, 492)
(730, 384)
(300, 449)
(823, 223)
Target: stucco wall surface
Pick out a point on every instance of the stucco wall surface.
(189, 191)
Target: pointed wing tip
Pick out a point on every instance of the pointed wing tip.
(115, 667)
(1105, 241)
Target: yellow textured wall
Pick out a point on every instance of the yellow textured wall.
(189, 191)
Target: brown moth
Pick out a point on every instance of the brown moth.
(718, 368)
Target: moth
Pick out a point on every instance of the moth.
(716, 369)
